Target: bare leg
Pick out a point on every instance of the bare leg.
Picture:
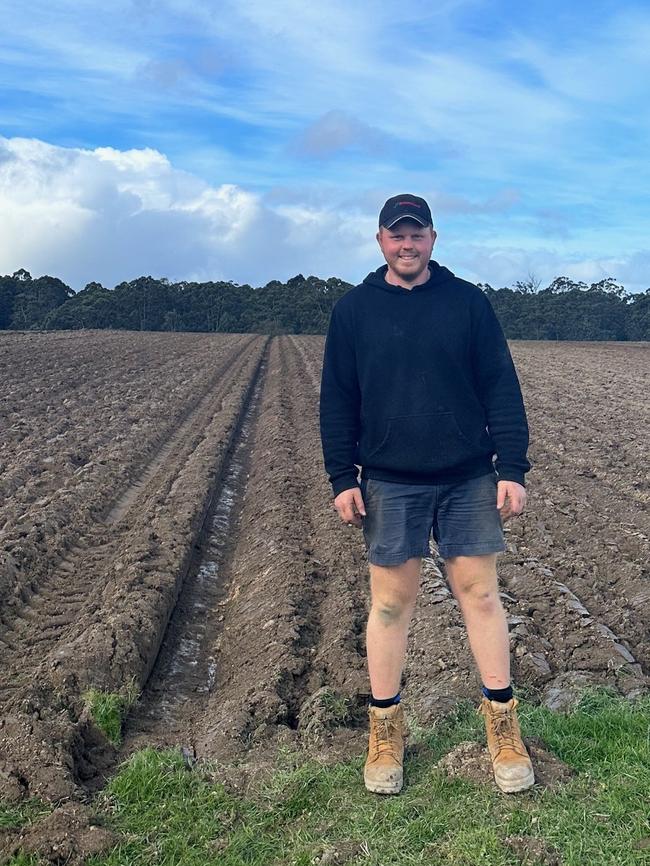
(474, 582)
(393, 593)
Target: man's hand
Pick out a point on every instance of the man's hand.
(349, 504)
(511, 498)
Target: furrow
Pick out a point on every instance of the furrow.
(184, 672)
(179, 440)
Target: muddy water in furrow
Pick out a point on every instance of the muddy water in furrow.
(185, 670)
(288, 660)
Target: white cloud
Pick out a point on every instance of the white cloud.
(605, 64)
(112, 215)
(503, 265)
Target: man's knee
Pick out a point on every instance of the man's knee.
(392, 610)
(483, 601)
(474, 581)
(394, 590)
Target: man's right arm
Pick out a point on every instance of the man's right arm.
(340, 403)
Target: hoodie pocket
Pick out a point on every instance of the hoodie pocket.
(429, 442)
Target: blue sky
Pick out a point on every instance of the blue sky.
(252, 141)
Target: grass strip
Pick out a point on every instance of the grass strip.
(109, 709)
(173, 816)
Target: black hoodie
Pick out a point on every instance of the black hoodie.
(418, 386)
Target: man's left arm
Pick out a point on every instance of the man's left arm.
(499, 391)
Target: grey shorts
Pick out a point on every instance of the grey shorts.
(400, 518)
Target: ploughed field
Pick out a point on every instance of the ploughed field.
(166, 525)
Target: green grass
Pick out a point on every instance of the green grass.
(172, 816)
(15, 817)
(109, 709)
(23, 860)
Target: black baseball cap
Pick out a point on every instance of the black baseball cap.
(405, 206)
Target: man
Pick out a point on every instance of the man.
(419, 389)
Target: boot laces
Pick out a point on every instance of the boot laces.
(384, 739)
(504, 729)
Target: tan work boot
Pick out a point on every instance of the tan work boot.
(384, 773)
(513, 770)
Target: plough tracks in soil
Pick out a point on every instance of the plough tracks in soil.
(285, 614)
(100, 618)
(255, 649)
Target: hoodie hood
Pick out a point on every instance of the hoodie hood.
(438, 274)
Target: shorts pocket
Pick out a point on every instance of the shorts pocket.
(429, 442)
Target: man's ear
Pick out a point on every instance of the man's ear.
(435, 235)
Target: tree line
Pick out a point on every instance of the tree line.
(564, 310)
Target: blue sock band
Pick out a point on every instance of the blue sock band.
(500, 695)
(384, 703)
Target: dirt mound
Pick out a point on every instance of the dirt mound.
(472, 761)
(532, 851)
(69, 835)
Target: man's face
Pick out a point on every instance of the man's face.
(407, 249)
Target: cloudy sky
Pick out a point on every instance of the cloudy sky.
(255, 140)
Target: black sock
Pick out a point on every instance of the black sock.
(384, 703)
(500, 695)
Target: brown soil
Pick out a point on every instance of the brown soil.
(532, 851)
(70, 835)
(130, 550)
(89, 609)
(472, 761)
(576, 576)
